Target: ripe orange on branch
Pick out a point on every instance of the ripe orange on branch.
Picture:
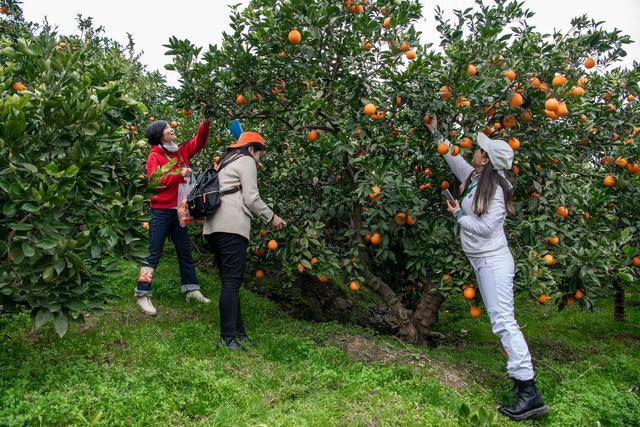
(469, 293)
(294, 36)
(272, 245)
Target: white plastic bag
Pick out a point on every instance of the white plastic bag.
(183, 191)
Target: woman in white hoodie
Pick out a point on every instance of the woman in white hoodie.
(484, 203)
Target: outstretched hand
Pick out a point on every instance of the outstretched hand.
(433, 124)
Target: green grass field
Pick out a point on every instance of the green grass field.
(123, 368)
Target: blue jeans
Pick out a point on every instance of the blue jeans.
(163, 223)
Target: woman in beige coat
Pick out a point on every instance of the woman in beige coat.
(228, 230)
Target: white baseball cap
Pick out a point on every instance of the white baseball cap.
(500, 153)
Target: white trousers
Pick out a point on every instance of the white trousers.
(495, 275)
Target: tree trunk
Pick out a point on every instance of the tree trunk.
(426, 314)
(618, 308)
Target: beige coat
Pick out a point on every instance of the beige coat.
(237, 209)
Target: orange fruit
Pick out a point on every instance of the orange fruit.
(376, 239)
(18, 86)
(576, 91)
(398, 100)
(562, 109)
(469, 293)
(583, 81)
(404, 47)
(562, 211)
(259, 274)
(446, 278)
(354, 286)
(510, 75)
(579, 294)
(314, 260)
(376, 190)
(535, 82)
(544, 299)
(611, 107)
(609, 181)
(559, 81)
(313, 135)
(411, 54)
(300, 267)
(509, 121)
(367, 45)
(427, 172)
(323, 278)
(621, 162)
(241, 100)
(411, 220)
(370, 109)
(282, 54)
(259, 252)
(551, 104)
(636, 261)
(187, 112)
(549, 259)
(145, 225)
(455, 151)
(453, 134)
(173, 123)
(475, 311)
(516, 170)
(387, 22)
(471, 70)
(445, 92)
(272, 245)
(466, 143)
(462, 102)
(444, 185)
(264, 232)
(514, 143)
(516, 100)
(294, 36)
(4, 10)
(554, 240)
(443, 148)
(401, 218)
(424, 187)
(589, 63)
(62, 45)
(569, 300)
(631, 98)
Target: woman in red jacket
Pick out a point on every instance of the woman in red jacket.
(164, 216)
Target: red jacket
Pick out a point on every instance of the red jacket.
(167, 197)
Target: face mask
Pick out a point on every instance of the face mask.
(172, 148)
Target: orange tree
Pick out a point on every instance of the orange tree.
(342, 90)
(69, 161)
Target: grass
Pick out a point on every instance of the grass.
(124, 368)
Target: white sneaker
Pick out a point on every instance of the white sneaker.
(145, 305)
(197, 295)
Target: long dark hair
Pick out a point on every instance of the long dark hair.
(241, 151)
(489, 180)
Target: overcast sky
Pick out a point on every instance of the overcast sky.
(203, 22)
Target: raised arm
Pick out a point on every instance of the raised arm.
(196, 144)
(458, 165)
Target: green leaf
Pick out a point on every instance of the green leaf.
(42, 316)
(28, 250)
(31, 208)
(61, 323)
(21, 227)
(72, 171)
(47, 243)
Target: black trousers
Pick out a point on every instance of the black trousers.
(230, 250)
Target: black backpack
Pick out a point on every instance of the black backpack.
(205, 197)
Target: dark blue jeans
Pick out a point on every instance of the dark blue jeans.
(231, 255)
(164, 222)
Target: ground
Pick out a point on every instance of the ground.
(123, 368)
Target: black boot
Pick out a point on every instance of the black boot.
(232, 344)
(529, 403)
(245, 340)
